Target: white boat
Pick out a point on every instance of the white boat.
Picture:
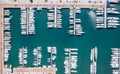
(35, 63)
(53, 57)
(78, 11)
(115, 72)
(112, 27)
(74, 53)
(91, 56)
(112, 9)
(99, 17)
(6, 12)
(78, 30)
(113, 1)
(71, 32)
(78, 20)
(73, 71)
(71, 21)
(114, 18)
(74, 49)
(25, 50)
(25, 61)
(99, 22)
(100, 9)
(23, 8)
(51, 10)
(114, 21)
(39, 8)
(91, 69)
(99, 13)
(50, 18)
(113, 24)
(96, 53)
(115, 49)
(113, 12)
(50, 14)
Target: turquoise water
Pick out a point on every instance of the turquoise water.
(104, 39)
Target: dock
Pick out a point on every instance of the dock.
(82, 5)
(34, 70)
(105, 15)
(70, 60)
(1, 39)
(27, 19)
(55, 16)
(74, 17)
(87, 5)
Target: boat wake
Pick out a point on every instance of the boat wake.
(92, 17)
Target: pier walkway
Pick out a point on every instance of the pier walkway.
(1, 39)
(87, 5)
(34, 70)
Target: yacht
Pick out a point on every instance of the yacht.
(74, 49)
(74, 53)
(50, 14)
(114, 18)
(112, 27)
(92, 55)
(111, 9)
(35, 63)
(113, 21)
(113, 24)
(78, 20)
(25, 61)
(78, 29)
(99, 20)
(113, 1)
(96, 52)
(7, 20)
(51, 10)
(50, 18)
(23, 8)
(115, 72)
(71, 21)
(39, 8)
(113, 12)
(100, 9)
(99, 13)
(6, 12)
(78, 11)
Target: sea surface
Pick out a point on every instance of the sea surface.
(104, 39)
